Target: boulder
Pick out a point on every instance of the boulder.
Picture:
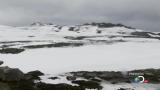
(10, 74)
(36, 73)
(33, 75)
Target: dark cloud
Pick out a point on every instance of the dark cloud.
(143, 14)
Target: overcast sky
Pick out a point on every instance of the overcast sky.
(144, 14)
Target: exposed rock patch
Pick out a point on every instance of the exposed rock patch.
(11, 50)
(15, 79)
(61, 44)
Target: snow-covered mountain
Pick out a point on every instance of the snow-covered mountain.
(55, 49)
(86, 33)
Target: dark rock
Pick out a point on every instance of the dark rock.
(2, 74)
(1, 62)
(108, 25)
(75, 38)
(114, 82)
(34, 75)
(13, 75)
(53, 78)
(113, 77)
(71, 28)
(50, 24)
(121, 89)
(11, 50)
(71, 78)
(4, 86)
(60, 44)
(44, 86)
(30, 77)
(142, 34)
(23, 85)
(152, 75)
(10, 74)
(86, 75)
(110, 75)
(96, 80)
(60, 27)
(37, 24)
(99, 31)
(31, 36)
(90, 75)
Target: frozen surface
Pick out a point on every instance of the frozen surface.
(120, 56)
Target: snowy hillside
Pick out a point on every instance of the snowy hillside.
(86, 34)
(56, 49)
(100, 39)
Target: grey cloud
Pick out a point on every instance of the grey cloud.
(143, 14)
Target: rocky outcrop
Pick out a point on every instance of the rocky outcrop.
(33, 75)
(113, 77)
(4, 86)
(10, 74)
(153, 75)
(108, 25)
(15, 79)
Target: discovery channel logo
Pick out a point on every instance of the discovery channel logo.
(138, 78)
